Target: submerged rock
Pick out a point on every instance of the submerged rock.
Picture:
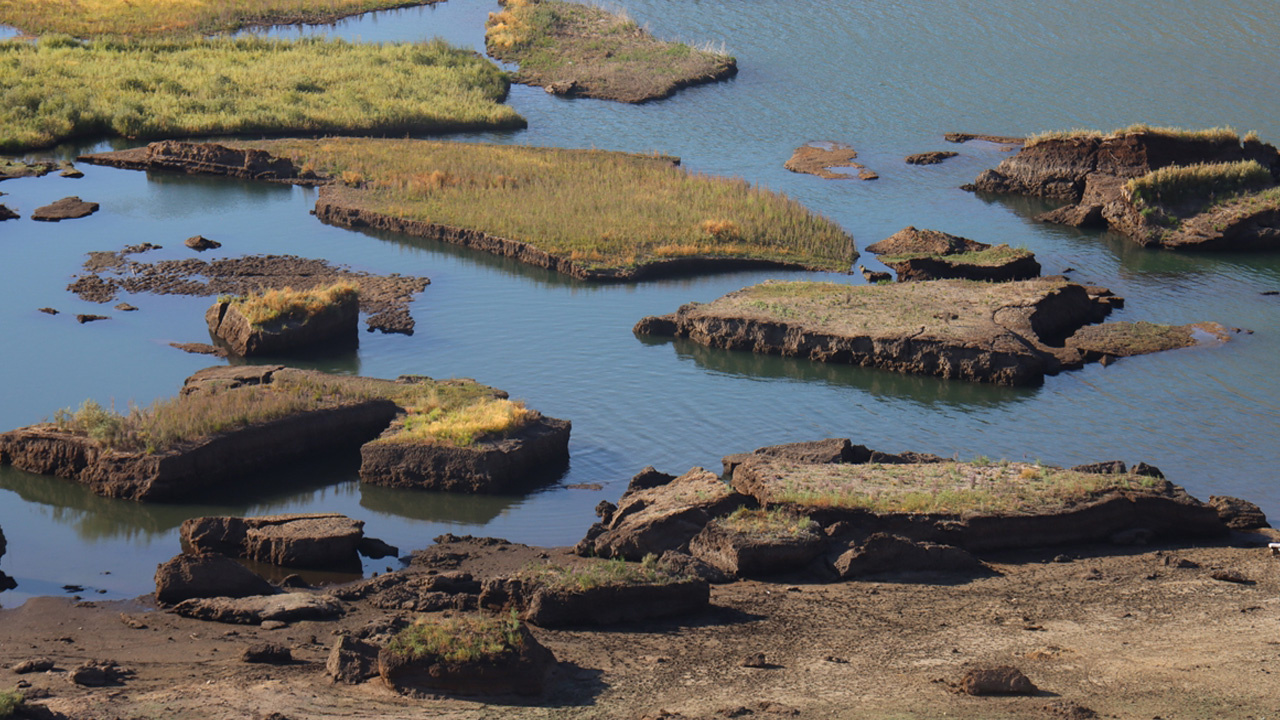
(200, 243)
(67, 208)
(818, 159)
(7, 214)
(930, 158)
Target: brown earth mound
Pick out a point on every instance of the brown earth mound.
(818, 158)
(384, 297)
(334, 326)
(918, 255)
(911, 240)
(1006, 333)
(930, 158)
(68, 208)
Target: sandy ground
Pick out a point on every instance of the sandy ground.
(1102, 631)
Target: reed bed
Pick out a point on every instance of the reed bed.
(137, 18)
(1217, 134)
(266, 306)
(1202, 184)
(600, 209)
(61, 88)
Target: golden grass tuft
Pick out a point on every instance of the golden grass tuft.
(463, 426)
(1217, 134)
(1202, 184)
(269, 306)
(61, 88)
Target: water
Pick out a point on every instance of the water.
(889, 79)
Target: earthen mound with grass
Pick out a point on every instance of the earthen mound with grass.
(1012, 333)
(277, 322)
(232, 421)
(1200, 190)
(917, 255)
(585, 51)
(466, 655)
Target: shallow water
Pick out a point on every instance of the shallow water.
(888, 79)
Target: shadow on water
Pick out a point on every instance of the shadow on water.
(919, 389)
(451, 507)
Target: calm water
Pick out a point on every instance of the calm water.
(888, 79)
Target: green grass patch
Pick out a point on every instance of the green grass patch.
(61, 89)
(462, 426)
(774, 523)
(1218, 134)
(465, 638)
(1201, 185)
(950, 488)
(996, 255)
(599, 209)
(87, 18)
(10, 703)
(600, 573)
(606, 55)
(286, 304)
(168, 423)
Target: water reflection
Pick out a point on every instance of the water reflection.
(440, 507)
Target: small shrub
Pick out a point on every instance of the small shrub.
(467, 638)
(10, 703)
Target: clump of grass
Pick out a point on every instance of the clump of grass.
(951, 488)
(172, 422)
(566, 202)
(600, 573)
(995, 255)
(461, 639)
(10, 703)
(1218, 134)
(61, 89)
(175, 17)
(1199, 185)
(780, 523)
(606, 55)
(287, 304)
(462, 426)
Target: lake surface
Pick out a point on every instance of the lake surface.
(887, 78)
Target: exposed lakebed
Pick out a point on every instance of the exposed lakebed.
(1208, 419)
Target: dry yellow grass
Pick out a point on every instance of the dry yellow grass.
(464, 425)
(88, 18)
(288, 304)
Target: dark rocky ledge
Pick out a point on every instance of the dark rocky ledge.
(917, 255)
(1011, 333)
(334, 326)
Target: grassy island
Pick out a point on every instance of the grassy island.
(582, 50)
(589, 213)
(61, 88)
(87, 18)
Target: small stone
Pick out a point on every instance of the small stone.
(1231, 576)
(48, 311)
(273, 624)
(270, 653)
(71, 173)
(82, 319)
(40, 664)
(200, 243)
(996, 680)
(125, 307)
(755, 660)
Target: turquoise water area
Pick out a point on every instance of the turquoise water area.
(889, 79)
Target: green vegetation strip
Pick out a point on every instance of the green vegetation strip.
(951, 488)
(771, 524)
(86, 18)
(600, 573)
(1203, 184)
(60, 89)
(606, 55)
(171, 422)
(602, 210)
(466, 638)
(10, 703)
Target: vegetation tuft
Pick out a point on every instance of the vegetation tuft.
(171, 422)
(1201, 185)
(996, 255)
(60, 89)
(461, 639)
(602, 210)
(774, 523)
(87, 18)
(462, 426)
(952, 488)
(1218, 134)
(287, 304)
(601, 573)
(10, 703)
(604, 55)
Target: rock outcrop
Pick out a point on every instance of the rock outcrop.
(322, 541)
(203, 159)
(519, 670)
(930, 158)
(1092, 172)
(7, 214)
(254, 610)
(918, 255)
(609, 604)
(757, 549)
(335, 325)
(68, 208)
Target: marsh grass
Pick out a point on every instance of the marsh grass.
(773, 523)
(460, 639)
(1199, 185)
(1218, 134)
(10, 703)
(272, 305)
(600, 573)
(603, 210)
(172, 422)
(61, 89)
(950, 488)
(462, 426)
(88, 18)
(605, 54)
(995, 255)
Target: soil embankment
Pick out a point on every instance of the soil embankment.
(1011, 333)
